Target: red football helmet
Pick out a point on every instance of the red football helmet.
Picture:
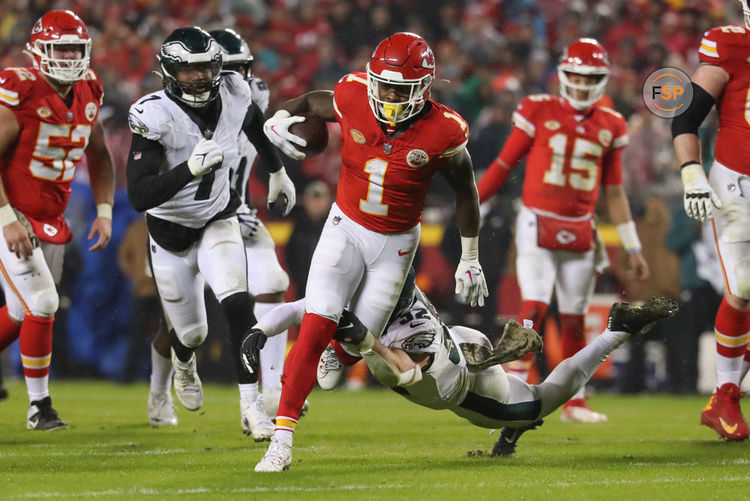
(60, 27)
(583, 57)
(406, 62)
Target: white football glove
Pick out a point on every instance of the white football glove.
(280, 184)
(249, 221)
(699, 197)
(276, 129)
(206, 157)
(471, 287)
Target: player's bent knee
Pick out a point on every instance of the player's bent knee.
(194, 337)
(742, 274)
(44, 303)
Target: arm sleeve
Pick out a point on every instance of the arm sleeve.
(688, 122)
(148, 187)
(252, 126)
(515, 147)
(282, 318)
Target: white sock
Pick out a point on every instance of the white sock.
(729, 370)
(284, 436)
(38, 387)
(274, 352)
(591, 356)
(161, 372)
(249, 391)
(580, 394)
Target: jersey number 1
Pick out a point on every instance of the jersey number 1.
(374, 203)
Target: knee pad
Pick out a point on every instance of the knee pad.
(278, 281)
(742, 275)
(193, 337)
(44, 303)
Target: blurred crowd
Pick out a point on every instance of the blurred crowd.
(490, 53)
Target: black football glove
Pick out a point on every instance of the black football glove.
(250, 350)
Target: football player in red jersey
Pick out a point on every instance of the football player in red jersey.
(573, 146)
(723, 79)
(48, 118)
(394, 140)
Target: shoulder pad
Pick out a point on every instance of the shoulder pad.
(719, 44)
(13, 83)
(612, 112)
(147, 117)
(457, 132)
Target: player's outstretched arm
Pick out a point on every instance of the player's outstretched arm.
(283, 317)
(318, 102)
(280, 186)
(102, 179)
(16, 236)
(619, 212)
(708, 84)
(471, 285)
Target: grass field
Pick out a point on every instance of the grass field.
(368, 445)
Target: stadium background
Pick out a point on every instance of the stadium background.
(489, 55)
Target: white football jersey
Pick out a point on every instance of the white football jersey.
(157, 117)
(240, 170)
(445, 383)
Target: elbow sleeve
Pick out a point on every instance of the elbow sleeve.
(691, 119)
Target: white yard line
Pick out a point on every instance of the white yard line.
(380, 487)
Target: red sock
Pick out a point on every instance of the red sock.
(302, 362)
(573, 338)
(534, 311)
(344, 357)
(36, 345)
(731, 330)
(9, 330)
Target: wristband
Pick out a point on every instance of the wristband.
(7, 215)
(104, 210)
(469, 248)
(690, 162)
(629, 237)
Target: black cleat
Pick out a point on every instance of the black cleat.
(43, 417)
(3, 392)
(640, 319)
(506, 444)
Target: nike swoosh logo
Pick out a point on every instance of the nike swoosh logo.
(348, 326)
(727, 428)
(139, 110)
(400, 253)
(471, 280)
(415, 324)
(273, 128)
(2, 80)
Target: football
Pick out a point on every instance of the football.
(313, 130)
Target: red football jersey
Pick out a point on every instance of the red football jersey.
(38, 171)
(570, 154)
(383, 182)
(728, 47)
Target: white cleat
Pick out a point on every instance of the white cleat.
(330, 369)
(254, 420)
(278, 457)
(161, 410)
(187, 384)
(576, 411)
